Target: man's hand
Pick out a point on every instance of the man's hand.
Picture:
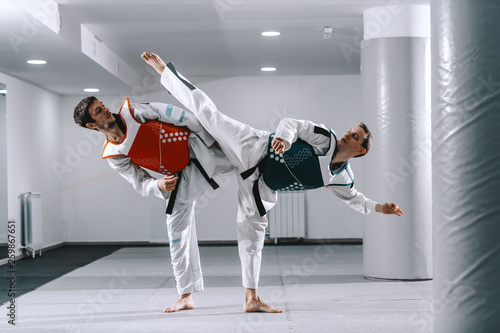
(280, 145)
(167, 183)
(389, 208)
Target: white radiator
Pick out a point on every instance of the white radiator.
(31, 223)
(287, 218)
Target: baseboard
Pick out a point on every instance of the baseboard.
(124, 243)
(288, 241)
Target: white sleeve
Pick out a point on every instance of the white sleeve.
(354, 199)
(171, 114)
(140, 179)
(291, 129)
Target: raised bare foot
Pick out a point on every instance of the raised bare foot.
(183, 303)
(255, 304)
(154, 61)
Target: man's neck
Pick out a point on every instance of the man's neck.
(340, 157)
(114, 134)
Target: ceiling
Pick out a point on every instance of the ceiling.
(206, 39)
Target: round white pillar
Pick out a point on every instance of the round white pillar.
(395, 73)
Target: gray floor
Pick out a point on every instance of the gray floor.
(320, 288)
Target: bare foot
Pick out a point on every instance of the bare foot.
(255, 304)
(154, 61)
(185, 302)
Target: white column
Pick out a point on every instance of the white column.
(396, 97)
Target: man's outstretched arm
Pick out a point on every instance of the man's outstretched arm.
(289, 130)
(358, 202)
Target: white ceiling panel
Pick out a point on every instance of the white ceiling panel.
(205, 38)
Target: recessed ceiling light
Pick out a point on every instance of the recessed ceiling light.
(91, 90)
(37, 62)
(3, 91)
(270, 33)
(268, 69)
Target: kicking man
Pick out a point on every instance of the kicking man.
(300, 155)
(168, 140)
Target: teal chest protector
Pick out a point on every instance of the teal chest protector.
(297, 169)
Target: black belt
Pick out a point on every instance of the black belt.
(204, 173)
(255, 189)
(258, 200)
(247, 173)
(173, 195)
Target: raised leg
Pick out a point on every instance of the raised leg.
(243, 144)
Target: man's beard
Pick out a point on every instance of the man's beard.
(109, 125)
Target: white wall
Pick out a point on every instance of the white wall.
(100, 206)
(33, 142)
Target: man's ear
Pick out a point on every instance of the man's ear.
(361, 152)
(91, 125)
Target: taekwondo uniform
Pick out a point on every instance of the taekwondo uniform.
(168, 140)
(306, 165)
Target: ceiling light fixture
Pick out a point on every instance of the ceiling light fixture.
(268, 69)
(270, 33)
(327, 32)
(37, 62)
(91, 90)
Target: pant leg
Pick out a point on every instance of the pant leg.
(184, 249)
(251, 228)
(242, 144)
(181, 223)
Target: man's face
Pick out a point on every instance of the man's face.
(351, 142)
(102, 116)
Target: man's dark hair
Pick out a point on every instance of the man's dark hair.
(81, 113)
(367, 142)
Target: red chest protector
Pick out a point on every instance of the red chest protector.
(153, 145)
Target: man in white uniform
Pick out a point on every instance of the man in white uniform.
(140, 136)
(319, 158)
